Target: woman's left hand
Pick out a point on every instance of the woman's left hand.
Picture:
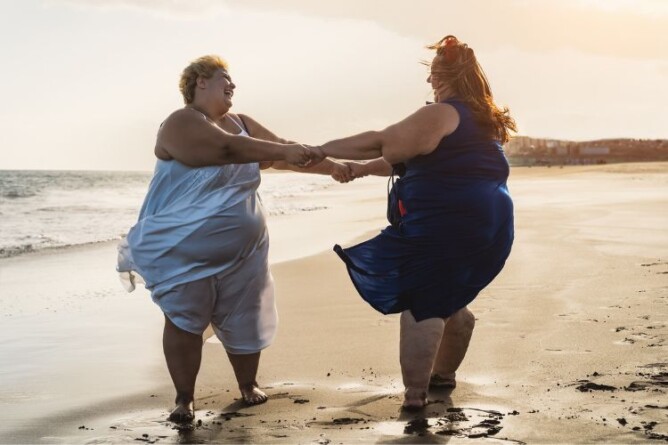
(342, 173)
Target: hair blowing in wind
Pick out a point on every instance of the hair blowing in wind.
(456, 64)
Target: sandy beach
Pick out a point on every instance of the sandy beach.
(569, 347)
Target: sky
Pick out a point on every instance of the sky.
(86, 83)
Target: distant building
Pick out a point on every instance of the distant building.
(594, 151)
(557, 150)
(524, 150)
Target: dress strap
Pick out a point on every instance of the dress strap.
(242, 125)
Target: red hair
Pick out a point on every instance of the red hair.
(455, 63)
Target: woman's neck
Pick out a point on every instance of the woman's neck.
(440, 96)
(209, 111)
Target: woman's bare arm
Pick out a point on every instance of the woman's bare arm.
(257, 130)
(377, 167)
(367, 145)
(191, 139)
(418, 134)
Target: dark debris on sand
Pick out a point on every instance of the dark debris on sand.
(417, 426)
(231, 415)
(472, 423)
(653, 379)
(456, 417)
(149, 439)
(656, 436)
(347, 420)
(587, 386)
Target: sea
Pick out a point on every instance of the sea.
(41, 210)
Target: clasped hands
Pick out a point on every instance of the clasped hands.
(346, 171)
(304, 156)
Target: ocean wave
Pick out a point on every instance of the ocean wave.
(14, 251)
(280, 211)
(78, 208)
(16, 194)
(71, 209)
(10, 251)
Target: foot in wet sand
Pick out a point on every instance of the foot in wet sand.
(443, 381)
(414, 399)
(252, 394)
(183, 412)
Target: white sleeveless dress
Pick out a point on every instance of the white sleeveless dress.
(202, 222)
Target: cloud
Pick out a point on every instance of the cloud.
(627, 30)
(650, 8)
(619, 28)
(172, 9)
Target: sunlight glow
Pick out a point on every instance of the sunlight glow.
(646, 7)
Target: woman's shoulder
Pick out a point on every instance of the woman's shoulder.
(460, 107)
(180, 119)
(457, 104)
(185, 113)
(434, 112)
(445, 113)
(443, 107)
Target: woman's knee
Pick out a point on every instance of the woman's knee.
(462, 320)
(469, 317)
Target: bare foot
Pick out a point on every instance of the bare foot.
(183, 412)
(443, 381)
(252, 394)
(414, 399)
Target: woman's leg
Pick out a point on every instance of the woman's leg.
(417, 348)
(183, 352)
(454, 344)
(245, 369)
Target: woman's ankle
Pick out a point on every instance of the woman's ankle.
(184, 398)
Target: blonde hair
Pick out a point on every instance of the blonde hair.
(456, 64)
(205, 67)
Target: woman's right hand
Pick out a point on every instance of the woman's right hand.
(341, 172)
(299, 155)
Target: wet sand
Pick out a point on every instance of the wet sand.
(569, 347)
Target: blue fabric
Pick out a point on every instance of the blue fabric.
(455, 236)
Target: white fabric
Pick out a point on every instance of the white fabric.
(197, 223)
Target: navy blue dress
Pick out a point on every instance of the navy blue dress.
(455, 234)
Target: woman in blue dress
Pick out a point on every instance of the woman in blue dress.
(451, 215)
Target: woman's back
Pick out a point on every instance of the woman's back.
(468, 152)
(456, 196)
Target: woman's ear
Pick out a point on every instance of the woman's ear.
(201, 82)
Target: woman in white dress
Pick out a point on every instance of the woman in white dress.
(201, 243)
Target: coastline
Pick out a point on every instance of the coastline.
(583, 297)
